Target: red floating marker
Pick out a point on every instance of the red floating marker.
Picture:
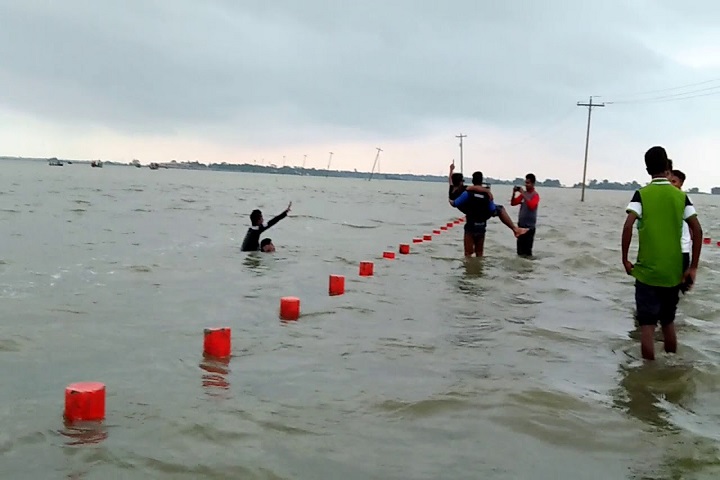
(450, 224)
(85, 401)
(404, 249)
(217, 342)
(427, 238)
(417, 240)
(443, 227)
(389, 255)
(718, 244)
(460, 220)
(366, 269)
(707, 240)
(436, 232)
(337, 285)
(289, 308)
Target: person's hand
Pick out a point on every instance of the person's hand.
(451, 202)
(689, 277)
(628, 266)
(452, 167)
(287, 210)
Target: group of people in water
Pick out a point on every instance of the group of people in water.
(476, 201)
(669, 235)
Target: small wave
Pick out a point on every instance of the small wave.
(142, 210)
(140, 268)
(423, 408)
(9, 210)
(358, 226)
(8, 345)
(311, 217)
(78, 210)
(82, 202)
(188, 200)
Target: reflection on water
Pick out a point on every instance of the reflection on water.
(645, 387)
(216, 377)
(83, 433)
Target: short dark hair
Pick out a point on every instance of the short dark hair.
(670, 164)
(265, 242)
(679, 174)
(477, 178)
(531, 177)
(255, 217)
(457, 179)
(656, 161)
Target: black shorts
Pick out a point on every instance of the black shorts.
(656, 304)
(476, 229)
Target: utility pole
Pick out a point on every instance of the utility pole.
(377, 157)
(304, 160)
(328, 167)
(589, 106)
(461, 136)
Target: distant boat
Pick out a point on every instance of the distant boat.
(96, 164)
(54, 162)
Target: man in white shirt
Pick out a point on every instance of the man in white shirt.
(677, 178)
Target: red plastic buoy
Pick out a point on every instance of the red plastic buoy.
(443, 227)
(417, 240)
(289, 308)
(85, 401)
(427, 238)
(217, 342)
(337, 285)
(366, 269)
(450, 225)
(436, 232)
(707, 240)
(389, 255)
(404, 249)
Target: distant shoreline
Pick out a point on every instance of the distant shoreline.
(313, 172)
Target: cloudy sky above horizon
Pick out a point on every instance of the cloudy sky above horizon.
(250, 80)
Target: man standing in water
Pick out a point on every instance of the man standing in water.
(677, 178)
(476, 202)
(660, 210)
(528, 200)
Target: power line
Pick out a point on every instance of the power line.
(589, 106)
(715, 90)
(680, 87)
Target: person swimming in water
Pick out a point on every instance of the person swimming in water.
(251, 243)
(266, 245)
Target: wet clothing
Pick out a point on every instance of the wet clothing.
(251, 243)
(661, 210)
(527, 218)
(656, 303)
(477, 207)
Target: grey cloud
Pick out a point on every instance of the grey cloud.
(379, 67)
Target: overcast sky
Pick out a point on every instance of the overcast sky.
(246, 80)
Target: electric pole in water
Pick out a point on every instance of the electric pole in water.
(461, 136)
(377, 157)
(329, 162)
(304, 160)
(589, 106)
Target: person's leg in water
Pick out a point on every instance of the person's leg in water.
(469, 244)
(479, 241)
(505, 218)
(668, 308)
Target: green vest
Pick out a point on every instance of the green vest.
(661, 209)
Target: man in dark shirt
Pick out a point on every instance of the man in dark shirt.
(476, 202)
(252, 237)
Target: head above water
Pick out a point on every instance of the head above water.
(656, 161)
(677, 178)
(266, 245)
(256, 217)
(457, 179)
(477, 178)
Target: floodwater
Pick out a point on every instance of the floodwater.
(432, 368)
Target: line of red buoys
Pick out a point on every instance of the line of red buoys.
(85, 401)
